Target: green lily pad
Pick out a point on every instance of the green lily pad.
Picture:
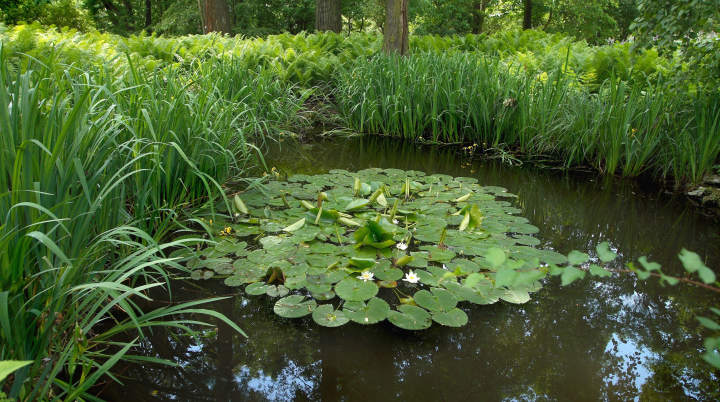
(294, 306)
(372, 312)
(410, 317)
(277, 291)
(386, 272)
(452, 318)
(256, 289)
(438, 300)
(352, 289)
(327, 316)
(324, 295)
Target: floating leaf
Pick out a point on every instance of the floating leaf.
(277, 291)
(438, 300)
(327, 316)
(352, 289)
(294, 306)
(256, 289)
(373, 312)
(452, 318)
(410, 317)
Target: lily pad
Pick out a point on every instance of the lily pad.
(452, 318)
(352, 289)
(294, 306)
(438, 300)
(327, 316)
(372, 312)
(410, 317)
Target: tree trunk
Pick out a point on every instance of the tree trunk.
(148, 14)
(396, 34)
(217, 17)
(527, 20)
(328, 15)
(478, 16)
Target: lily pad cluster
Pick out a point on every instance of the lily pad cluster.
(378, 244)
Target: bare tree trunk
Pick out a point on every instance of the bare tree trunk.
(217, 17)
(396, 34)
(148, 14)
(328, 15)
(527, 20)
(478, 16)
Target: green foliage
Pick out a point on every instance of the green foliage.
(686, 30)
(103, 160)
(623, 126)
(404, 244)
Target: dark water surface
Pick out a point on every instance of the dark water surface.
(598, 339)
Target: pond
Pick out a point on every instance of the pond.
(597, 339)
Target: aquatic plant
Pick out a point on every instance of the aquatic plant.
(352, 237)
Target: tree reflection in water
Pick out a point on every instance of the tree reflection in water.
(611, 339)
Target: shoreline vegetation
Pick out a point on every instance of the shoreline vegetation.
(112, 143)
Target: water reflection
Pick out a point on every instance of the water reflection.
(613, 339)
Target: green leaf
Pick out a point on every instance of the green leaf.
(693, 263)
(599, 271)
(604, 252)
(410, 317)
(452, 318)
(327, 316)
(515, 296)
(505, 277)
(294, 306)
(571, 274)
(576, 258)
(239, 205)
(295, 226)
(256, 289)
(473, 279)
(7, 367)
(352, 289)
(649, 266)
(373, 312)
(438, 300)
(404, 260)
(357, 204)
(362, 263)
(495, 256)
(277, 291)
(708, 323)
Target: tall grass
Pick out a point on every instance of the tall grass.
(96, 167)
(622, 127)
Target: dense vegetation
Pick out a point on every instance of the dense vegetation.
(112, 142)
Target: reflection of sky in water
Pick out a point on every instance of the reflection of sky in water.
(632, 359)
(285, 387)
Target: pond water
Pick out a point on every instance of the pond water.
(597, 339)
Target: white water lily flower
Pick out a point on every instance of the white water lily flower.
(366, 276)
(402, 246)
(411, 277)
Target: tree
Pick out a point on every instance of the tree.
(690, 26)
(396, 33)
(217, 17)
(527, 14)
(328, 15)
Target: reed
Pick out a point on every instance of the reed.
(97, 167)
